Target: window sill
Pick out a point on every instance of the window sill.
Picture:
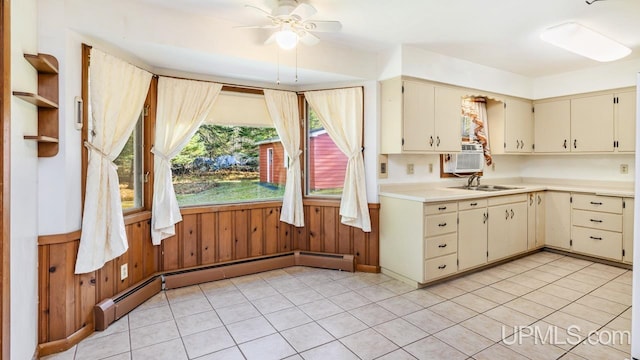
(136, 217)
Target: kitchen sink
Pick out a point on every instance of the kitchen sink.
(486, 187)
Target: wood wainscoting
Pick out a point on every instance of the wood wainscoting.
(207, 235)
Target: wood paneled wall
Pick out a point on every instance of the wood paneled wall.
(207, 235)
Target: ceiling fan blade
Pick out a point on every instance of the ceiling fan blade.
(271, 39)
(322, 26)
(309, 39)
(304, 11)
(267, 26)
(265, 12)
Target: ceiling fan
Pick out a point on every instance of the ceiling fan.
(291, 19)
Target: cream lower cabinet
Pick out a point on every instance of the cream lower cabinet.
(627, 230)
(472, 233)
(507, 229)
(597, 226)
(558, 219)
(418, 242)
(535, 220)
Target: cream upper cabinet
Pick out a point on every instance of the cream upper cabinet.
(558, 219)
(592, 124)
(510, 126)
(625, 118)
(472, 233)
(552, 126)
(448, 102)
(627, 230)
(418, 117)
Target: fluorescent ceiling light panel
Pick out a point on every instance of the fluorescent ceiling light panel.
(584, 41)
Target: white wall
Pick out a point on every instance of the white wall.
(506, 166)
(583, 167)
(59, 185)
(24, 177)
(607, 76)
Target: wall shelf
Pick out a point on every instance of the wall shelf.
(36, 100)
(47, 102)
(41, 139)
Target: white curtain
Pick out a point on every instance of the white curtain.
(283, 108)
(340, 112)
(117, 94)
(182, 107)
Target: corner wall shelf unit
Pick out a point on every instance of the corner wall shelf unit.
(47, 102)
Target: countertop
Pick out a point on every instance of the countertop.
(446, 191)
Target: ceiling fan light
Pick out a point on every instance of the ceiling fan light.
(286, 39)
(584, 41)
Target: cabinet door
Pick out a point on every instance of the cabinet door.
(448, 117)
(518, 126)
(592, 124)
(552, 129)
(517, 230)
(418, 113)
(627, 230)
(472, 238)
(531, 221)
(558, 219)
(540, 219)
(498, 228)
(625, 114)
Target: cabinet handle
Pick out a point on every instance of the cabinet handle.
(595, 203)
(595, 221)
(442, 224)
(430, 140)
(530, 199)
(442, 246)
(512, 213)
(539, 199)
(442, 208)
(442, 267)
(486, 217)
(595, 238)
(575, 143)
(438, 141)
(521, 144)
(473, 204)
(564, 145)
(506, 212)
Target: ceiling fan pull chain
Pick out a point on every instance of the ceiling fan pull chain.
(297, 63)
(278, 79)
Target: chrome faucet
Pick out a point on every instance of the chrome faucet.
(474, 176)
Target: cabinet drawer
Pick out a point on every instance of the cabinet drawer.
(597, 203)
(440, 208)
(597, 220)
(598, 243)
(441, 224)
(508, 199)
(441, 266)
(441, 245)
(472, 204)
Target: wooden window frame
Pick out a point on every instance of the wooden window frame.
(149, 119)
(302, 108)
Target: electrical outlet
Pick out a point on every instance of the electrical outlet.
(409, 169)
(430, 167)
(383, 166)
(124, 271)
(624, 168)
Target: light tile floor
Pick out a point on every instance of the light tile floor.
(543, 306)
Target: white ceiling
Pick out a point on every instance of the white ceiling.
(200, 36)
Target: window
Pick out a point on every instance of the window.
(227, 164)
(326, 164)
(131, 170)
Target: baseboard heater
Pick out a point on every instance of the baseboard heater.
(112, 309)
